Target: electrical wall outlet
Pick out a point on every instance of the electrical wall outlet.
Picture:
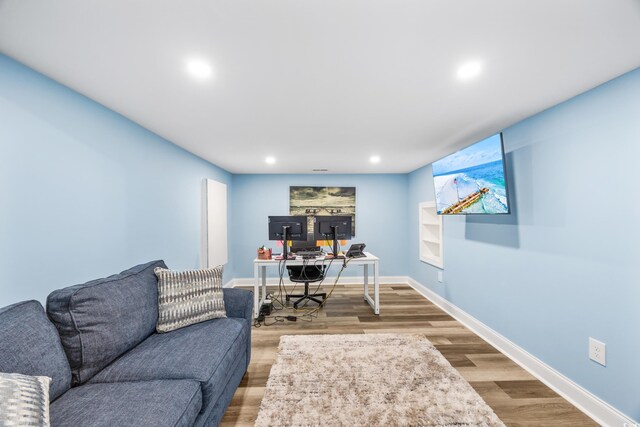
(598, 351)
(440, 276)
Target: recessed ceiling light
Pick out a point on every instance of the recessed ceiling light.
(270, 160)
(469, 70)
(374, 159)
(199, 69)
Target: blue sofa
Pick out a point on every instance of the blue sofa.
(97, 342)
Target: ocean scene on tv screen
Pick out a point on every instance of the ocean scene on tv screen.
(472, 180)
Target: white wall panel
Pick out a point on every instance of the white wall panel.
(215, 230)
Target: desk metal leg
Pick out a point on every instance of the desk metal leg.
(376, 288)
(264, 284)
(256, 290)
(366, 280)
(374, 303)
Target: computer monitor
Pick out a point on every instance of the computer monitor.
(332, 228)
(287, 228)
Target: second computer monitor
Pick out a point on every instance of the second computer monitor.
(332, 228)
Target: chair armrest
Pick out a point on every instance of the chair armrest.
(238, 303)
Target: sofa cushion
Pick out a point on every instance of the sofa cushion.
(206, 352)
(24, 400)
(152, 403)
(188, 297)
(101, 319)
(30, 345)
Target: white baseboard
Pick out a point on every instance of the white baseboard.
(329, 280)
(594, 407)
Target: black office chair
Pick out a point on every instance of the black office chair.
(306, 274)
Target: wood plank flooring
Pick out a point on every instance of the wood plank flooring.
(515, 396)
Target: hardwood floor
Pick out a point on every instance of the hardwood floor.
(515, 396)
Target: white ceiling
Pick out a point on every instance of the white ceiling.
(325, 83)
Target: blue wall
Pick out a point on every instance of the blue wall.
(85, 192)
(381, 202)
(560, 268)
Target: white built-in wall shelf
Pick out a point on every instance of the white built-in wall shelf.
(430, 234)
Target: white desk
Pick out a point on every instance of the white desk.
(260, 277)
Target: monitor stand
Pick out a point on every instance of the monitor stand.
(335, 241)
(285, 242)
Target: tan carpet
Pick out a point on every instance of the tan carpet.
(368, 380)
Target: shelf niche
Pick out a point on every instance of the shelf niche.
(430, 234)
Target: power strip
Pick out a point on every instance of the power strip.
(267, 307)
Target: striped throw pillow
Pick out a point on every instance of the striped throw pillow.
(24, 400)
(188, 297)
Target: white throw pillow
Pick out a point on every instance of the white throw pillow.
(24, 400)
(188, 297)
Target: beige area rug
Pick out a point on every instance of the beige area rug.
(368, 380)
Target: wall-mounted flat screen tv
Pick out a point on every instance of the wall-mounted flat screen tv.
(472, 181)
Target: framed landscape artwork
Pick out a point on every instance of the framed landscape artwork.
(317, 201)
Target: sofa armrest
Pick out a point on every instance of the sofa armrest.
(239, 303)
